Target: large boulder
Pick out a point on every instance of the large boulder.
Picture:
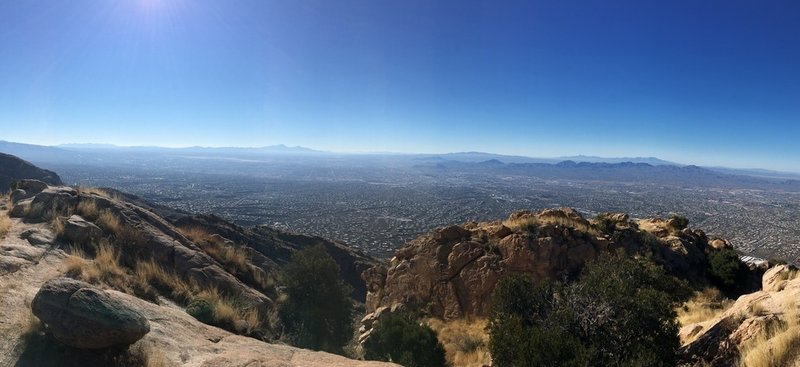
(80, 231)
(82, 316)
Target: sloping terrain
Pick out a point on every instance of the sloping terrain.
(123, 245)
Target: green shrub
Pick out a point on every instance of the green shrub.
(727, 271)
(619, 312)
(604, 224)
(201, 310)
(397, 338)
(318, 312)
(678, 221)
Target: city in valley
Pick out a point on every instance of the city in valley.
(376, 203)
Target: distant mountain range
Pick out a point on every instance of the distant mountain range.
(106, 153)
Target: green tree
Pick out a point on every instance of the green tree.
(399, 339)
(727, 271)
(318, 311)
(618, 313)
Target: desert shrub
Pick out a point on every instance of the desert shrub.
(619, 312)
(399, 339)
(604, 224)
(317, 313)
(726, 270)
(202, 310)
(5, 224)
(465, 341)
(678, 222)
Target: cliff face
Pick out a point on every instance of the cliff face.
(451, 272)
(13, 169)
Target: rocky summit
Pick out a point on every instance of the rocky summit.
(451, 272)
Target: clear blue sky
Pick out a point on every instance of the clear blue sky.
(705, 82)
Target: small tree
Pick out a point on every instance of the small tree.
(318, 311)
(397, 338)
(727, 271)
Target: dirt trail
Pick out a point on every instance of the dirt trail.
(26, 267)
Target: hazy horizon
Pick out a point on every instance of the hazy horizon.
(590, 157)
(712, 84)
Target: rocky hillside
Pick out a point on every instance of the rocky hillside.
(152, 264)
(13, 168)
(451, 272)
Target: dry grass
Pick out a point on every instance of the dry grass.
(525, 224)
(149, 273)
(109, 222)
(778, 346)
(571, 223)
(465, 342)
(704, 306)
(195, 234)
(74, 264)
(5, 224)
(532, 222)
(232, 258)
(235, 259)
(107, 262)
(88, 209)
(757, 308)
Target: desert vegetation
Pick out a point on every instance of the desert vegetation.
(778, 345)
(465, 341)
(727, 271)
(399, 338)
(5, 223)
(317, 312)
(619, 312)
(703, 306)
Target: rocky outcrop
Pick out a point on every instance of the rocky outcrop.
(82, 316)
(175, 337)
(13, 169)
(451, 272)
(719, 341)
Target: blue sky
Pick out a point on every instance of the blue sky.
(704, 82)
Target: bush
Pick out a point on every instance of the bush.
(397, 338)
(679, 222)
(727, 271)
(318, 311)
(619, 312)
(202, 310)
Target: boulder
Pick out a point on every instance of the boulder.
(31, 187)
(18, 194)
(80, 231)
(20, 208)
(38, 237)
(82, 316)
